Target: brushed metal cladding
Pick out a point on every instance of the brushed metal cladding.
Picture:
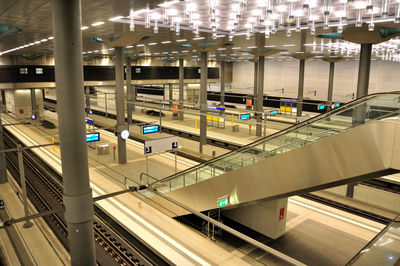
(357, 154)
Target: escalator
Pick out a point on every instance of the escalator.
(356, 142)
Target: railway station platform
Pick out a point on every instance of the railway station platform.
(36, 245)
(319, 223)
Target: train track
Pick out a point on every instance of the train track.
(114, 245)
(378, 184)
(50, 105)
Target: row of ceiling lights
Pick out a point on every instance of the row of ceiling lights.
(265, 16)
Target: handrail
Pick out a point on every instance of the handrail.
(282, 132)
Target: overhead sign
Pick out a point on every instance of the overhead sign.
(321, 107)
(160, 145)
(223, 202)
(216, 108)
(274, 113)
(91, 137)
(249, 102)
(150, 129)
(89, 121)
(244, 117)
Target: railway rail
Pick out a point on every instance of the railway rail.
(114, 244)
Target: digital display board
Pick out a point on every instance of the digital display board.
(150, 129)
(89, 121)
(274, 113)
(216, 108)
(91, 137)
(244, 117)
(321, 107)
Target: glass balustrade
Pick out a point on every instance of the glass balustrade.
(358, 112)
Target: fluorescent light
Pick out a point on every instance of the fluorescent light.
(222, 48)
(140, 45)
(289, 45)
(269, 46)
(198, 38)
(37, 42)
(97, 23)
(181, 40)
(129, 46)
(236, 48)
(115, 18)
(166, 4)
(153, 43)
(44, 40)
(51, 38)
(111, 49)
(164, 42)
(251, 47)
(84, 28)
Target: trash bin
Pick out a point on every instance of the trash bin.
(235, 128)
(103, 149)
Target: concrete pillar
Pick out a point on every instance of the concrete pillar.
(129, 90)
(120, 102)
(3, 169)
(171, 94)
(203, 101)
(260, 94)
(364, 69)
(255, 85)
(222, 90)
(300, 92)
(181, 86)
(330, 83)
(87, 96)
(77, 194)
(35, 107)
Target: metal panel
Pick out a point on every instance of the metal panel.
(358, 154)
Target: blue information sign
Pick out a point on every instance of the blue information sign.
(151, 129)
(321, 107)
(273, 113)
(91, 137)
(216, 108)
(89, 120)
(244, 117)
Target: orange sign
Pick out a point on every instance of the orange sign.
(249, 102)
(175, 109)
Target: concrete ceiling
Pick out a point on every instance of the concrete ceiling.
(33, 18)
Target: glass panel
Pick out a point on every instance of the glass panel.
(358, 112)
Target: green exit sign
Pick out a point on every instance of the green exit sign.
(223, 202)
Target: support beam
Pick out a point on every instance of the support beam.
(77, 194)
(129, 91)
(300, 93)
(255, 85)
(171, 94)
(364, 70)
(120, 102)
(181, 86)
(3, 169)
(330, 84)
(260, 94)
(203, 101)
(87, 97)
(222, 90)
(35, 107)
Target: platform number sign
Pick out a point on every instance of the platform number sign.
(147, 150)
(174, 145)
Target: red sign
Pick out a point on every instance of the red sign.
(175, 109)
(281, 213)
(249, 102)
(21, 111)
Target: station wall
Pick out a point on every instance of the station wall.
(284, 74)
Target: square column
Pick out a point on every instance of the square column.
(181, 87)
(120, 103)
(203, 101)
(259, 95)
(129, 90)
(255, 85)
(222, 90)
